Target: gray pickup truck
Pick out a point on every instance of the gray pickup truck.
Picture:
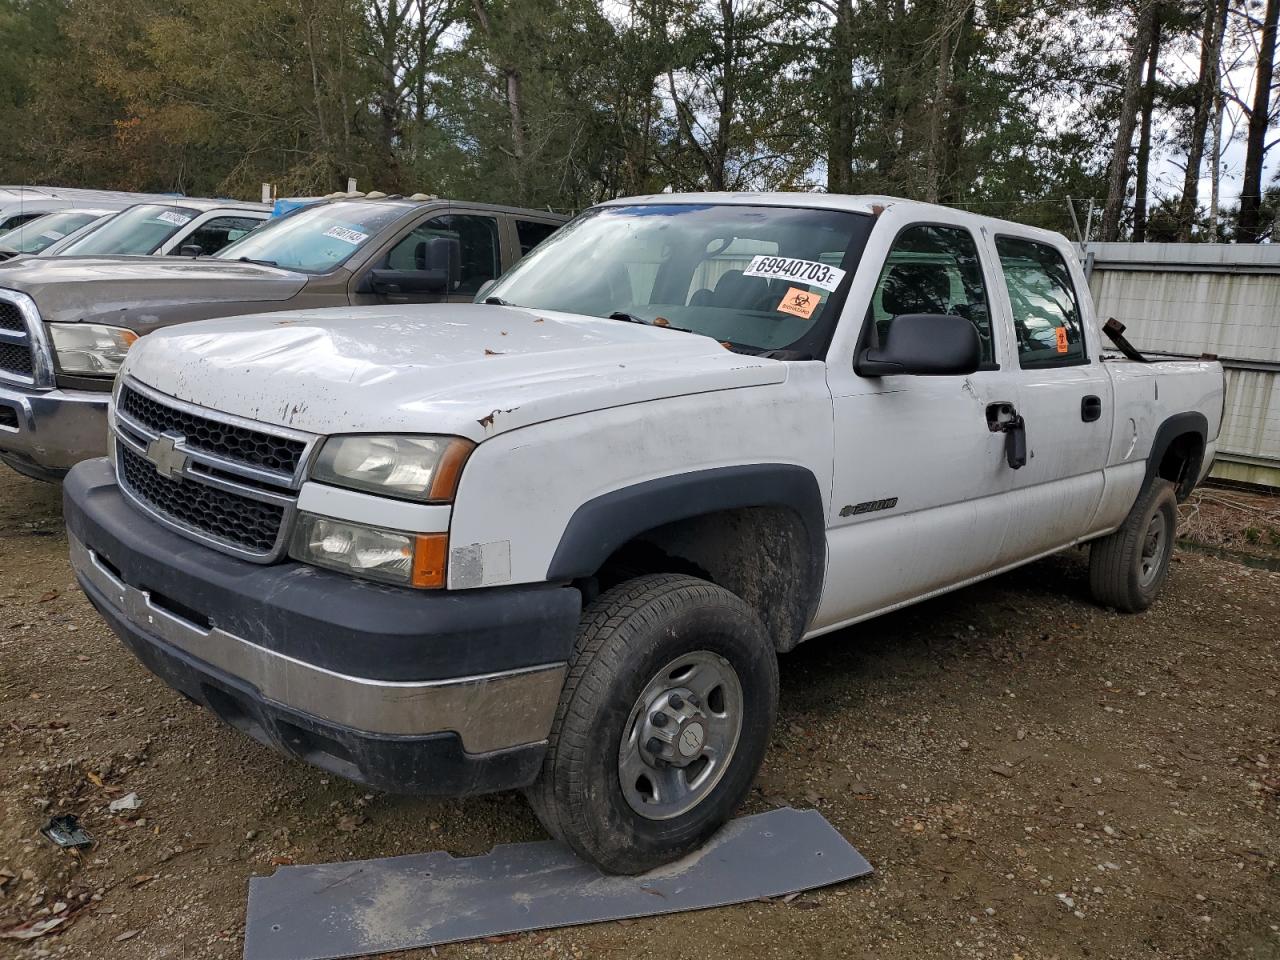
(67, 322)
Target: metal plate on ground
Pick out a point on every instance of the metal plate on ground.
(333, 910)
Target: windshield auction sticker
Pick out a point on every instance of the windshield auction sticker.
(800, 271)
(799, 303)
(347, 235)
(177, 219)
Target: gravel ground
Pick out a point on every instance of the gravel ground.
(1030, 775)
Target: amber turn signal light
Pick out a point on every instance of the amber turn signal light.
(430, 556)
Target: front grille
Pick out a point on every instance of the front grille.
(248, 524)
(11, 318)
(16, 359)
(221, 439)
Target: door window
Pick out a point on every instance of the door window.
(18, 219)
(531, 233)
(478, 237)
(934, 269)
(212, 235)
(1046, 311)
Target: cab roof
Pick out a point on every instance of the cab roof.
(872, 204)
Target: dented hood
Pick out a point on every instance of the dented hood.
(138, 292)
(467, 370)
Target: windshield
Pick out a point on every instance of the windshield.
(763, 278)
(35, 235)
(137, 231)
(315, 239)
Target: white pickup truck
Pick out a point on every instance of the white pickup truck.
(556, 541)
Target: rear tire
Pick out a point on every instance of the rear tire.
(1128, 568)
(628, 794)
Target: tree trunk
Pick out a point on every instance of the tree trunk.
(937, 112)
(840, 102)
(1215, 174)
(1144, 136)
(515, 99)
(728, 96)
(1215, 13)
(1118, 170)
(1247, 227)
(950, 188)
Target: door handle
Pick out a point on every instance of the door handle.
(1004, 418)
(1091, 408)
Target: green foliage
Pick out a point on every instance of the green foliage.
(984, 104)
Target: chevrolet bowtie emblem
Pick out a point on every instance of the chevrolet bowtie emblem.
(163, 452)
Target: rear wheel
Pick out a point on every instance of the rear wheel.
(1128, 568)
(662, 724)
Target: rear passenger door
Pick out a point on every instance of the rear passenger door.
(1063, 394)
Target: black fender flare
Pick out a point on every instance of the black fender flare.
(1172, 428)
(602, 525)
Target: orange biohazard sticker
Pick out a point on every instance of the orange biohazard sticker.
(1061, 333)
(800, 303)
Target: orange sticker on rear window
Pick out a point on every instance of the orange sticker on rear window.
(800, 303)
(1061, 333)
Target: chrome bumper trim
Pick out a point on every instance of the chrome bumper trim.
(489, 712)
(56, 429)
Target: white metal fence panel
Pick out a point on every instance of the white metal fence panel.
(1224, 299)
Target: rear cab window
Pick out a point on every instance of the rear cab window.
(1047, 323)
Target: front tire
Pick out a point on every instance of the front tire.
(1128, 568)
(662, 725)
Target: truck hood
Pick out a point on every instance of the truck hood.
(134, 291)
(465, 370)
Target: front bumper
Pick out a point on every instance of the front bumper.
(43, 434)
(347, 675)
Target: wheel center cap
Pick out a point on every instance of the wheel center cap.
(691, 739)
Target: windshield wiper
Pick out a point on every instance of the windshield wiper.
(261, 263)
(498, 302)
(658, 322)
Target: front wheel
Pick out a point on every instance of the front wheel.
(1128, 568)
(662, 725)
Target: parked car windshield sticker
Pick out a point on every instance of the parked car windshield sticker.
(802, 271)
(177, 219)
(800, 303)
(1061, 334)
(347, 235)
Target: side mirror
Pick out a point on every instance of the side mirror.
(190, 250)
(439, 267)
(925, 345)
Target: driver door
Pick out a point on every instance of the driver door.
(920, 482)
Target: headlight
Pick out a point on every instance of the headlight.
(408, 559)
(90, 349)
(410, 468)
